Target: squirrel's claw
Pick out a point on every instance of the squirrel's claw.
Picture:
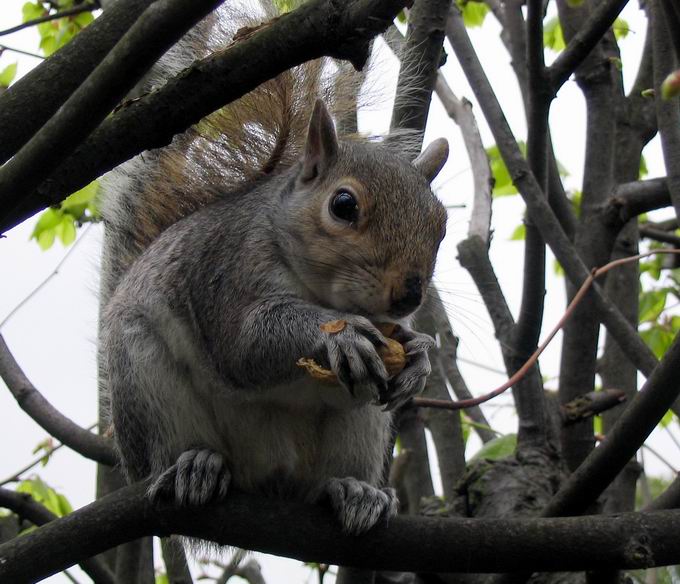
(354, 359)
(358, 505)
(198, 477)
(410, 382)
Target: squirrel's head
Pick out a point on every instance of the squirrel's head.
(363, 226)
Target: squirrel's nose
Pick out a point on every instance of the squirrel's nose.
(410, 298)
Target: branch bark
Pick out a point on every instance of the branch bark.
(34, 98)
(24, 506)
(44, 414)
(318, 28)
(631, 540)
(157, 29)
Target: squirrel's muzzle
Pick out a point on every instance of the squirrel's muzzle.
(405, 300)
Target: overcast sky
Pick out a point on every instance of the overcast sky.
(53, 336)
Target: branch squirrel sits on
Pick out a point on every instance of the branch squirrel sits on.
(224, 252)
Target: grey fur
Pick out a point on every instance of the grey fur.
(201, 331)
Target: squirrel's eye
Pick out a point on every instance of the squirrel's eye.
(344, 206)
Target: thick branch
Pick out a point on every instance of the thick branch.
(543, 215)
(44, 414)
(631, 540)
(667, 110)
(34, 98)
(318, 28)
(161, 25)
(23, 505)
(641, 416)
(635, 198)
(419, 64)
(584, 41)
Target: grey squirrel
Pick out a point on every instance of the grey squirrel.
(224, 253)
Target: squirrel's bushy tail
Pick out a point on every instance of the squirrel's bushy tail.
(258, 135)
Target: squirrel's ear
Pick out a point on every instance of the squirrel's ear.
(322, 142)
(431, 160)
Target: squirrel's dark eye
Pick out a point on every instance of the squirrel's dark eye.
(344, 206)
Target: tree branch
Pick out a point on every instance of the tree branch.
(318, 28)
(159, 27)
(34, 98)
(310, 533)
(545, 219)
(635, 198)
(420, 62)
(23, 505)
(583, 42)
(667, 110)
(641, 416)
(44, 414)
(79, 9)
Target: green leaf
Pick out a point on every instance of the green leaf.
(597, 425)
(658, 339)
(644, 171)
(162, 578)
(519, 234)
(84, 199)
(32, 10)
(45, 495)
(66, 230)
(574, 3)
(83, 19)
(652, 303)
(558, 269)
(620, 28)
(497, 448)
(7, 75)
(401, 17)
(668, 418)
(553, 38)
(473, 12)
(503, 185)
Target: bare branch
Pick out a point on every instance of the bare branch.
(318, 28)
(591, 404)
(420, 61)
(632, 199)
(545, 219)
(23, 505)
(667, 110)
(34, 98)
(159, 27)
(629, 540)
(584, 42)
(641, 416)
(52, 421)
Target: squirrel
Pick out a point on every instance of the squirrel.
(224, 253)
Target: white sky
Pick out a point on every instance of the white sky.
(53, 337)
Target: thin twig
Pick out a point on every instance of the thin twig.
(15, 477)
(47, 279)
(521, 372)
(85, 7)
(92, 446)
(21, 52)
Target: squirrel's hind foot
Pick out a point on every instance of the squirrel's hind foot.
(198, 477)
(358, 505)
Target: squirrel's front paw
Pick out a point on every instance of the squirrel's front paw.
(198, 477)
(411, 380)
(358, 505)
(353, 358)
